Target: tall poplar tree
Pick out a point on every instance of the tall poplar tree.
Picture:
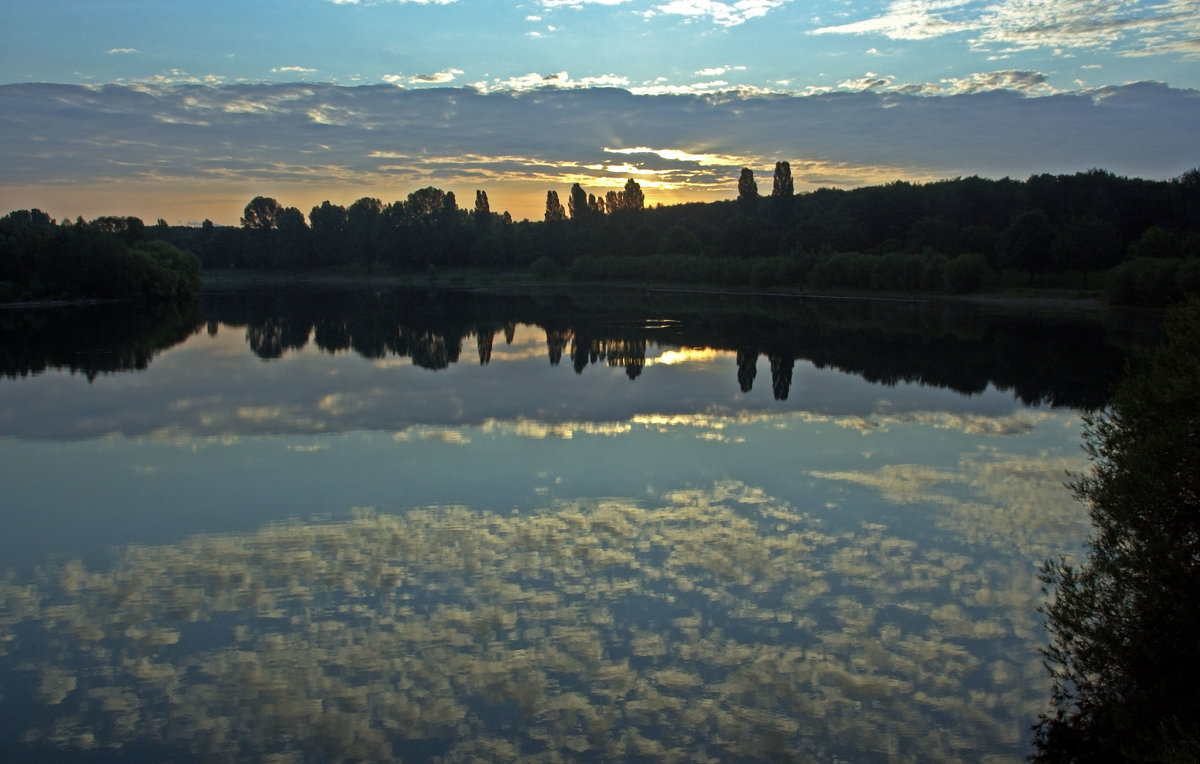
(632, 197)
(554, 208)
(483, 211)
(577, 203)
(747, 188)
(782, 185)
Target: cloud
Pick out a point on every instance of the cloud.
(869, 81)
(721, 14)
(176, 76)
(397, 2)
(907, 20)
(554, 130)
(1010, 26)
(292, 70)
(437, 78)
(122, 51)
(577, 4)
(558, 80)
(1012, 80)
(695, 88)
(1017, 25)
(1027, 82)
(717, 71)
(676, 155)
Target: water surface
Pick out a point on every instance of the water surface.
(324, 525)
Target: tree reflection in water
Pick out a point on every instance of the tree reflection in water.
(1071, 362)
(1065, 363)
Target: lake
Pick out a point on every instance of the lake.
(316, 525)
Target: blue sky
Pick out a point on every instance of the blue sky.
(185, 110)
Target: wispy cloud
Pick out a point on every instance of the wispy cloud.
(1128, 26)
(1016, 25)
(721, 14)
(122, 51)
(692, 88)
(717, 71)
(179, 77)
(676, 155)
(908, 20)
(557, 80)
(437, 78)
(1029, 83)
(1025, 82)
(576, 4)
(397, 2)
(292, 70)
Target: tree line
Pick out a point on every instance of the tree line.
(948, 236)
(107, 258)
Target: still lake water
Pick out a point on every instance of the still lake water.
(327, 525)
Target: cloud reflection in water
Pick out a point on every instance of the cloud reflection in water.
(709, 624)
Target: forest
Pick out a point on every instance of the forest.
(108, 258)
(1137, 240)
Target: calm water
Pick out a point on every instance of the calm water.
(317, 526)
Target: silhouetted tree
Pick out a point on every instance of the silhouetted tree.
(129, 229)
(632, 198)
(329, 232)
(782, 191)
(483, 212)
(262, 213)
(782, 185)
(612, 202)
(747, 188)
(1124, 650)
(363, 220)
(422, 230)
(294, 243)
(260, 219)
(577, 203)
(554, 208)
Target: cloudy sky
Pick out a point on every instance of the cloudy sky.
(184, 111)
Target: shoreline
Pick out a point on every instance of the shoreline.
(506, 283)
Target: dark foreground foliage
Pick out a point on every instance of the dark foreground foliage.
(1124, 625)
(109, 258)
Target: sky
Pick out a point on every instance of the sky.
(184, 111)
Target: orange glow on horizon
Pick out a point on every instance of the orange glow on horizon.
(190, 202)
(223, 205)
